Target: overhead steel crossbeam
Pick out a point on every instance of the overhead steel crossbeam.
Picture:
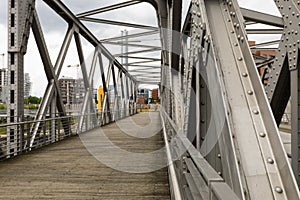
(264, 31)
(144, 70)
(263, 44)
(131, 36)
(146, 66)
(138, 52)
(116, 23)
(258, 17)
(131, 45)
(142, 62)
(143, 58)
(263, 49)
(109, 8)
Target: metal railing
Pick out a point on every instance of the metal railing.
(190, 175)
(52, 130)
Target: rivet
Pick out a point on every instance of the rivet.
(240, 58)
(250, 92)
(220, 173)
(219, 155)
(262, 134)
(255, 112)
(270, 160)
(278, 189)
(244, 74)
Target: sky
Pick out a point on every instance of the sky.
(54, 30)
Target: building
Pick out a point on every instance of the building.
(141, 99)
(3, 85)
(72, 90)
(27, 85)
(263, 58)
(101, 95)
(263, 54)
(155, 94)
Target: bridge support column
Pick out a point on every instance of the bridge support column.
(295, 100)
(19, 21)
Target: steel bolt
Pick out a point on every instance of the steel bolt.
(270, 161)
(262, 134)
(278, 189)
(244, 74)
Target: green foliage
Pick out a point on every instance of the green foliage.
(2, 107)
(32, 100)
(32, 106)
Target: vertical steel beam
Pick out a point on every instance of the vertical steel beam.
(295, 102)
(19, 22)
(116, 102)
(289, 50)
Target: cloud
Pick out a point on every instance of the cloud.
(3, 44)
(3, 12)
(265, 6)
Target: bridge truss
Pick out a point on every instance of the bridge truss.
(220, 121)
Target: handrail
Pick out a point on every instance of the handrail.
(215, 184)
(174, 181)
(50, 131)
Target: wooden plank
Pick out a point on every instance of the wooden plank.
(66, 170)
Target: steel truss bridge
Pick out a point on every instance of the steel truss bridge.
(219, 121)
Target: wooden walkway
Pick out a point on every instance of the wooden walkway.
(67, 170)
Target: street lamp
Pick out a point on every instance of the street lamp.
(75, 86)
(3, 54)
(77, 67)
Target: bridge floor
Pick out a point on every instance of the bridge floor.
(69, 170)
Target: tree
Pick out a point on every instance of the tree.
(2, 107)
(32, 100)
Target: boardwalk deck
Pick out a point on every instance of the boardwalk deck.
(67, 170)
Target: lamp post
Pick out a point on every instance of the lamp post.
(3, 55)
(77, 68)
(76, 88)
